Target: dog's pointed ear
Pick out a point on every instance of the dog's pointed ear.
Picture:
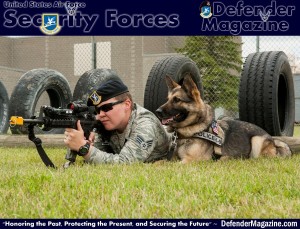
(171, 83)
(189, 85)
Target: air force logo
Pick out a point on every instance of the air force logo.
(205, 9)
(96, 99)
(50, 24)
(144, 144)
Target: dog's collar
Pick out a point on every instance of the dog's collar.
(212, 137)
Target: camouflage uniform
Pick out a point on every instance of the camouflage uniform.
(144, 140)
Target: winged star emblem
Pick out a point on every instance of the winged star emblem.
(264, 17)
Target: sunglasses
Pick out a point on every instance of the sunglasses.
(107, 107)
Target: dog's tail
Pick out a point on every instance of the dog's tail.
(282, 148)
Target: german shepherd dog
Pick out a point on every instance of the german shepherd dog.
(199, 137)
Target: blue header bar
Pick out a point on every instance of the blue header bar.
(155, 17)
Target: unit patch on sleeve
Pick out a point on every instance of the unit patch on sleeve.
(144, 144)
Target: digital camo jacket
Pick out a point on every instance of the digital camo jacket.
(144, 140)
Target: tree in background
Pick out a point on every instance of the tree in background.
(219, 61)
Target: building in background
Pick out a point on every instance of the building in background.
(130, 56)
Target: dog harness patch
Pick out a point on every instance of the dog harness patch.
(144, 144)
(210, 137)
(214, 127)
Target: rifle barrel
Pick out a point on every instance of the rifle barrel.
(33, 121)
(19, 121)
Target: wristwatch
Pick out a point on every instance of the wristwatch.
(83, 150)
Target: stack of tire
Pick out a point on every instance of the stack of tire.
(36, 82)
(4, 106)
(266, 91)
(29, 89)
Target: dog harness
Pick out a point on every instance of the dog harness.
(212, 137)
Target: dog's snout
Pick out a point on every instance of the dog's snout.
(159, 112)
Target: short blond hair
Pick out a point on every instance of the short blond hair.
(125, 96)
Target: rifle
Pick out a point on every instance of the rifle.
(50, 117)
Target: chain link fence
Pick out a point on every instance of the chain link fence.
(132, 57)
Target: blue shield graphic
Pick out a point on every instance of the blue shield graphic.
(206, 11)
(50, 21)
(50, 24)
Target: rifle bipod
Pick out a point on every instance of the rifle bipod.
(39, 147)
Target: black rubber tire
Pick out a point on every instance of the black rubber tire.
(4, 109)
(28, 90)
(177, 67)
(89, 82)
(266, 93)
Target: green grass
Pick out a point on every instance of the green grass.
(262, 188)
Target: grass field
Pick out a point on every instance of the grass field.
(262, 188)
